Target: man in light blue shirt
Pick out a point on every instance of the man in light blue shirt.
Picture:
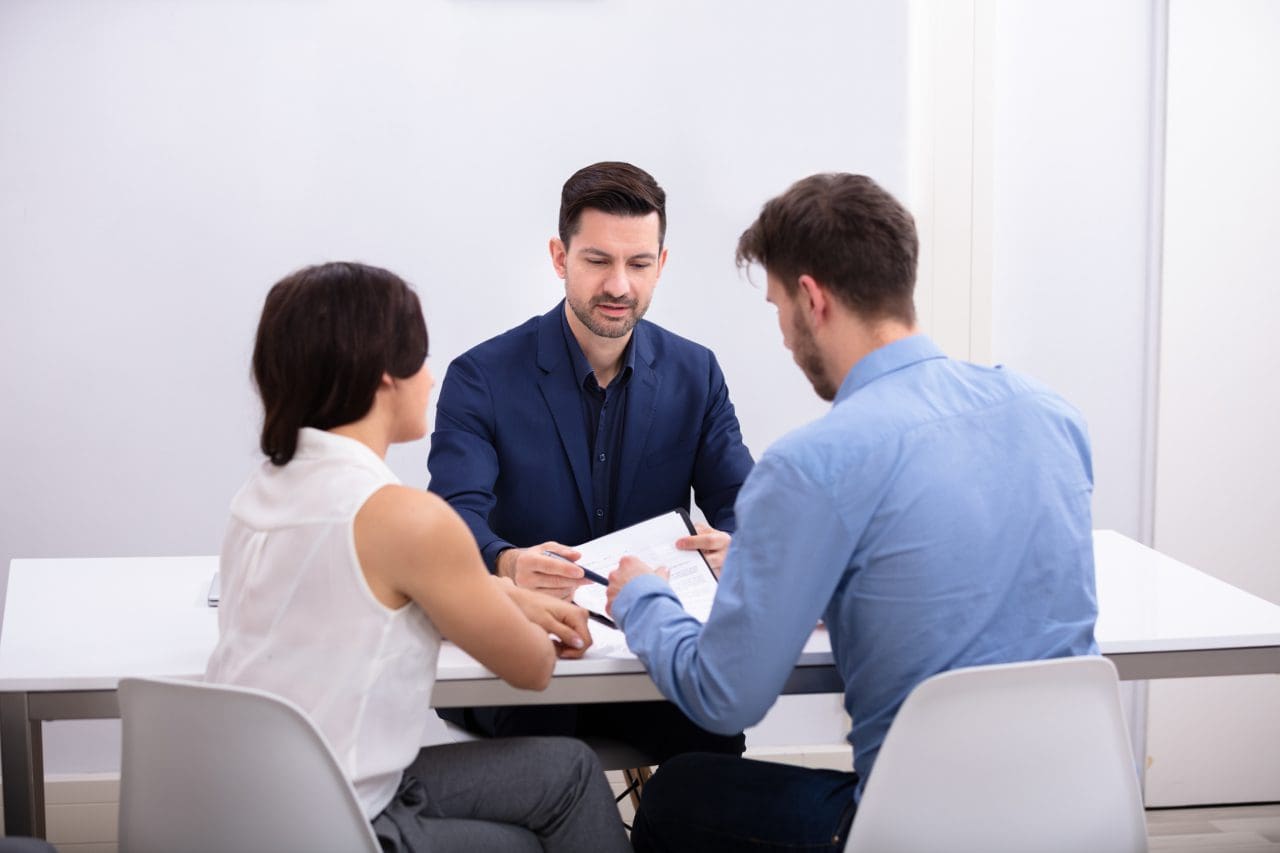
(937, 517)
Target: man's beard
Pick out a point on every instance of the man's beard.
(804, 349)
(618, 328)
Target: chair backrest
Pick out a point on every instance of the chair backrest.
(216, 768)
(1027, 757)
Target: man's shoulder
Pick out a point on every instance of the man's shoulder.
(1012, 390)
(502, 347)
(945, 388)
(1034, 388)
(862, 430)
(819, 442)
(665, 342)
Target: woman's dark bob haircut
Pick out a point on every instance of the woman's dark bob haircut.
(327, 335)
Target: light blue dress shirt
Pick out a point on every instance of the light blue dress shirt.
(936, 517)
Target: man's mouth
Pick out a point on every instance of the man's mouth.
(613, 309)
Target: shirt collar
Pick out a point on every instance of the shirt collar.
(318, 444)
(888, 358)
(581, 368)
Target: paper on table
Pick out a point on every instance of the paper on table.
(607, 642)
(654, 542)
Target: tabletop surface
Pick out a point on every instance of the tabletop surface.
(82, 624)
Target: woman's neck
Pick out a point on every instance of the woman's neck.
(369, 433)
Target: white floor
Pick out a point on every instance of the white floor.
(1232, 829)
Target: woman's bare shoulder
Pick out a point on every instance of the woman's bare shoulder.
(413, 521)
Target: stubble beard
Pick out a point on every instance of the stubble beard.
(619, 328)
(804, 349)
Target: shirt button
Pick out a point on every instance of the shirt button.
(601, 457)
(599, 513)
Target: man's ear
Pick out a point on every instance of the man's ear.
(813, 299)
(559, 255)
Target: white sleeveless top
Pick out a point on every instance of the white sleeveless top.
(297, 618)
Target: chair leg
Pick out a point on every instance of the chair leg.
(635, 777)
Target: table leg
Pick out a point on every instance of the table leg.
(22, 766)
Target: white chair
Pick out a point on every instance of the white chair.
(216, 768)
(1024, 758)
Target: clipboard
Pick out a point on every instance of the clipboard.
(654, 542)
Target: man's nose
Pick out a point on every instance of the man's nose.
(617, 284)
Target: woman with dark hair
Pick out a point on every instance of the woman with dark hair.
(338, 583)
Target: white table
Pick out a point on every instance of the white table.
(73, 628)
(1157, 618)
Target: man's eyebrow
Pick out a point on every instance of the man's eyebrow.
(640, 256)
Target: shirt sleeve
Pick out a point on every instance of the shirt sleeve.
(791, 551)
(723, 461)
(463, 460)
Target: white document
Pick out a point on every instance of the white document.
(608, 642)
(654, 542)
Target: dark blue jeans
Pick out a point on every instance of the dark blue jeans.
(706, 803)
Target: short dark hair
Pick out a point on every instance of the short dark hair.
(847, 233)
(326, 336)
(617, 188)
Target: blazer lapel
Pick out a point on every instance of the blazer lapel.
(560, 392)
(642, 406)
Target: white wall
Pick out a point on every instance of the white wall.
(1072, 195)
(1070, 221)
(161, 164)
(1078, 146)
(1218, 740)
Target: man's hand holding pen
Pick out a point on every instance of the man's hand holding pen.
(548, 568)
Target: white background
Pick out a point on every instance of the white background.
(1097, 207)
(1218, 740)
(161, 164)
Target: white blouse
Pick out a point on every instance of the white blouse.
(298, 619)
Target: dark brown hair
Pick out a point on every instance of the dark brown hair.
(617, 188)
(849, 234)
(326, 336)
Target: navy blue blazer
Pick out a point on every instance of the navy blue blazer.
(510, 450)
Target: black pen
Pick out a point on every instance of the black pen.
(602, 619)
(590, 575)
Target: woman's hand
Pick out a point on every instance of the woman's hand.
(565, 621)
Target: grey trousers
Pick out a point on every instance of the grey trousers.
(511, 794)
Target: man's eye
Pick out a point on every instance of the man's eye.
(640, 266)
(597, 262)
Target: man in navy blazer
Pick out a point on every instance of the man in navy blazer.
(586, 420)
